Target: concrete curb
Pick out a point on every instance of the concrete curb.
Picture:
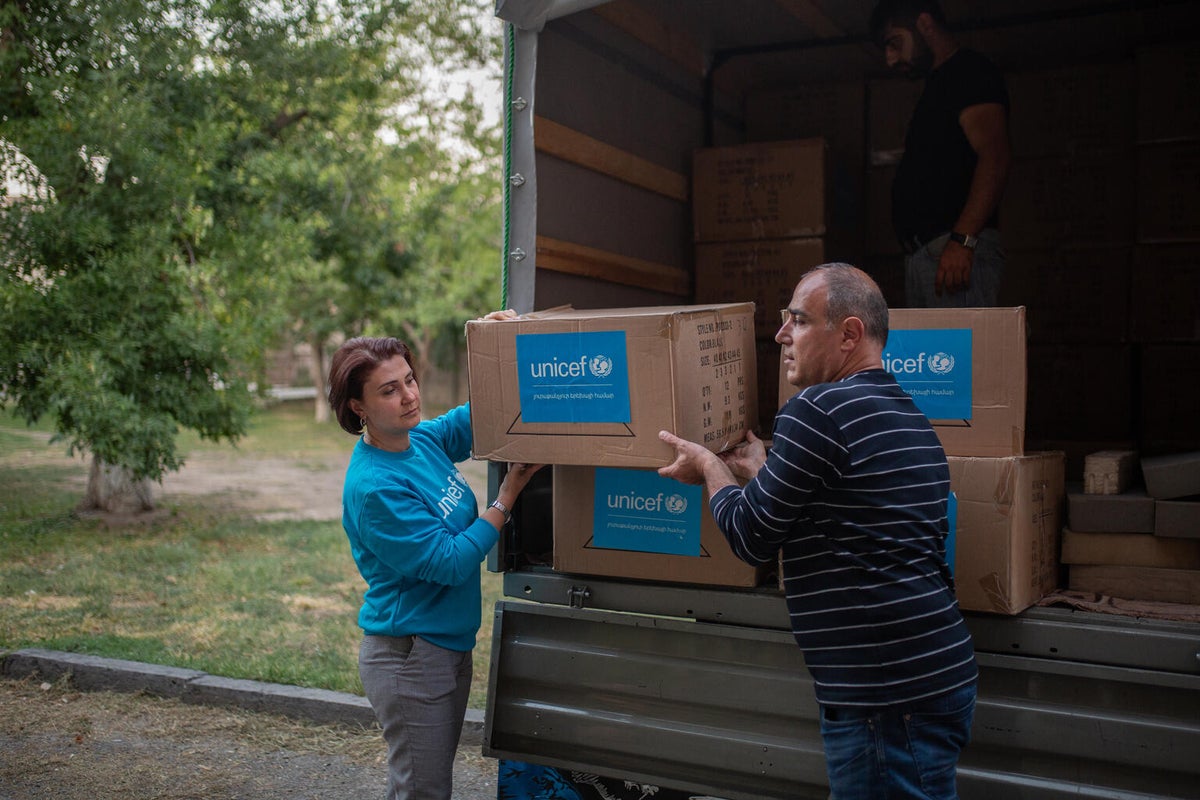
(92, 673)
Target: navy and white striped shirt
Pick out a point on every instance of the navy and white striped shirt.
(854, 491)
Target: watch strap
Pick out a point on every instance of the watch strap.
(966, 240)
(503, 509)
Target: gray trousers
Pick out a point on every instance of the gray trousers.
(419, 693)
(987, 268)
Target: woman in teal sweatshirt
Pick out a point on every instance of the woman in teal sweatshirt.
(417, 537)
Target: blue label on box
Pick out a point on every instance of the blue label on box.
(934, 366)
(637, 509)
(573, 377)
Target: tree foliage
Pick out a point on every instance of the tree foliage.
(200, 177)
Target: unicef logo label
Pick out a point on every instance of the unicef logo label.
(676, 504)
(600, 366)
(941, 363)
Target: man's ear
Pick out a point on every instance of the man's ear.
(853, 331)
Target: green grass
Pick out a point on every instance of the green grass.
(197, 586)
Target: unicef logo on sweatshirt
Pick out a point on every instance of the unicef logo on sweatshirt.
(573, 377)
(934, 366)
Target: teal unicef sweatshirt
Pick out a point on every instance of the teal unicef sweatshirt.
(416, 535)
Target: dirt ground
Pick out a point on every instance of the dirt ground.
(60, 744)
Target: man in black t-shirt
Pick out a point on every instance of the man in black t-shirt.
(956, 158)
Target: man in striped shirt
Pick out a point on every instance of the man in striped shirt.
(854, 492)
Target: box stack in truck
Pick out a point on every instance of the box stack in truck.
(1102, 230)
(1134, 534)
(965, 368)
(761, 220)
(1165, 297)
(587, 391)
(1137, 537)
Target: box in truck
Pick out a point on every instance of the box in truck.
(632, 523)
(766, 190)
(965, 369)
(595, 387)
(1007, 533)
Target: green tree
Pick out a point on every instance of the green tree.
(200, 177)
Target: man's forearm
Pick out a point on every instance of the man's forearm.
(987, 187)
(717, 476)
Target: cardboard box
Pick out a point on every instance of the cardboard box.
(1165, 300)
(1168, 422)
(1109, 471)
(888, 272)
(835, 112)
(763, 272)
(1129, 550)
(1007, 532)
(1172, 476)
(1168, 83)
(569, 386)
(1177, 518)
(630, 523)
(965, 368)
(1073, 109)
(765, 190)
(881, 233)
(1156, 584)
(1081, 391)
(1071, 294)
(1130, 512)
(1168, 203)
(831, 111)
(1082, 199)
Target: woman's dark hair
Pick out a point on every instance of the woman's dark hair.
(348, 371)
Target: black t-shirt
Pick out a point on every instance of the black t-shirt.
(934, 175)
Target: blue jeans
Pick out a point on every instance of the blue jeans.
(987, 268)
(419, 694)
(902, 752)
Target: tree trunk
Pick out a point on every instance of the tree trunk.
(111, 488)
(316, 364)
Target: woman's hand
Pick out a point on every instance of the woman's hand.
(506, 313)
(516, 478)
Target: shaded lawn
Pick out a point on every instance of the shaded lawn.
(196, 586)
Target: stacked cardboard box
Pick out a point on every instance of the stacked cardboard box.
(1136, 539)
(588, 392)
(965, 368)
(1165, 301)
(1102, 229)
(632, 523)
(890, 103)
(761, 219)
(594, 387)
